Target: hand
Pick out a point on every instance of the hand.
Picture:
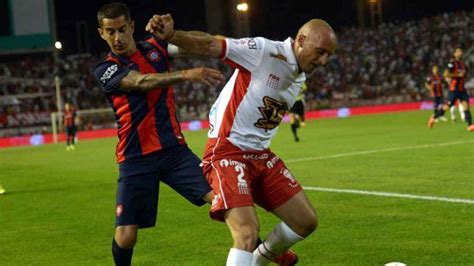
(206, 75)
(162, 26)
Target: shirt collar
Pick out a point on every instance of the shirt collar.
(291, 59)
(289, 54)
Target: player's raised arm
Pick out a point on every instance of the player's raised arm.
(134, 80)
(192, 42)
(114, 77)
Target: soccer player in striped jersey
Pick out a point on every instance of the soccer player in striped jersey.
(435, 86)
(456, 74)
(238, 163)
(70, 116)
(136, 80)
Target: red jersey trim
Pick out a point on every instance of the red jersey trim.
(240, 89)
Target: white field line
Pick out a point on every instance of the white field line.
(392, 195)
(348, 154)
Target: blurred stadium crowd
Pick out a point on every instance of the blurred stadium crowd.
(388, 64)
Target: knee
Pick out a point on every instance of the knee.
(307, 224)
(125, 238)
(245, 238)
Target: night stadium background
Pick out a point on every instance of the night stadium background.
(385, 186)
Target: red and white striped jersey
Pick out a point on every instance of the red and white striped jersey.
(263, 87)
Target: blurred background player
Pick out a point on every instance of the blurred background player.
(435, 86)
(70, 119)
(456, 74)
(297, 112)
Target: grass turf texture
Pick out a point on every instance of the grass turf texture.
(59, 206)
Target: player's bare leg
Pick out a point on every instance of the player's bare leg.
(208, 197)
(299, 220)
(243, 225)
(123, 243)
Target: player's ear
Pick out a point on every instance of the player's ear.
(101, 33)
(132, 26)
(300, 40)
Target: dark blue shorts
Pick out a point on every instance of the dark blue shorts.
(438, 102)
(71, 131)
(138, 184)
(457, 95)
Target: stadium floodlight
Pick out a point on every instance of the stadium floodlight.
(242, 7)
(58, 45)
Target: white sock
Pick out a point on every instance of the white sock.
(452, 110)
(277, 242)
(238, 257)
(461, 111)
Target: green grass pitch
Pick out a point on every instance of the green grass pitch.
(59, 206)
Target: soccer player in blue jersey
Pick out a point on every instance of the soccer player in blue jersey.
(456, 74)
(136, 81)
(435, 85)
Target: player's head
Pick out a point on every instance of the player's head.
(67, 107)
(314, 43)
(458, 53)
(435, 69)
(116, 28)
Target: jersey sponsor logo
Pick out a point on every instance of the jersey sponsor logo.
(273, 81)
(108, 73)
(252, 44)
(225, 163)
(272, 162)
(255, 156)
(119, 210)
(272, 112)
(286, 173)
(153, 56)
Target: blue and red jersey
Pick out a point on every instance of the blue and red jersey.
(455, 67)
(435, 81)
(69, 117)
(146, 120)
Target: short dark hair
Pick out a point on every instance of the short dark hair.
(113, 10)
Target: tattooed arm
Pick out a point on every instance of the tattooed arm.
(135, 81)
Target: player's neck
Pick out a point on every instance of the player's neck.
(131, 51)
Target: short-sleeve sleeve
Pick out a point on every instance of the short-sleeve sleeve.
(244, 53)
(109, 75)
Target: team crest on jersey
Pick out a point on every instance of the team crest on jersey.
(286, 173)
(119, 210)
(272, 112)
(153, 56)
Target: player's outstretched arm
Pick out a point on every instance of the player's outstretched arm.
(193, 42)
(135, 81)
